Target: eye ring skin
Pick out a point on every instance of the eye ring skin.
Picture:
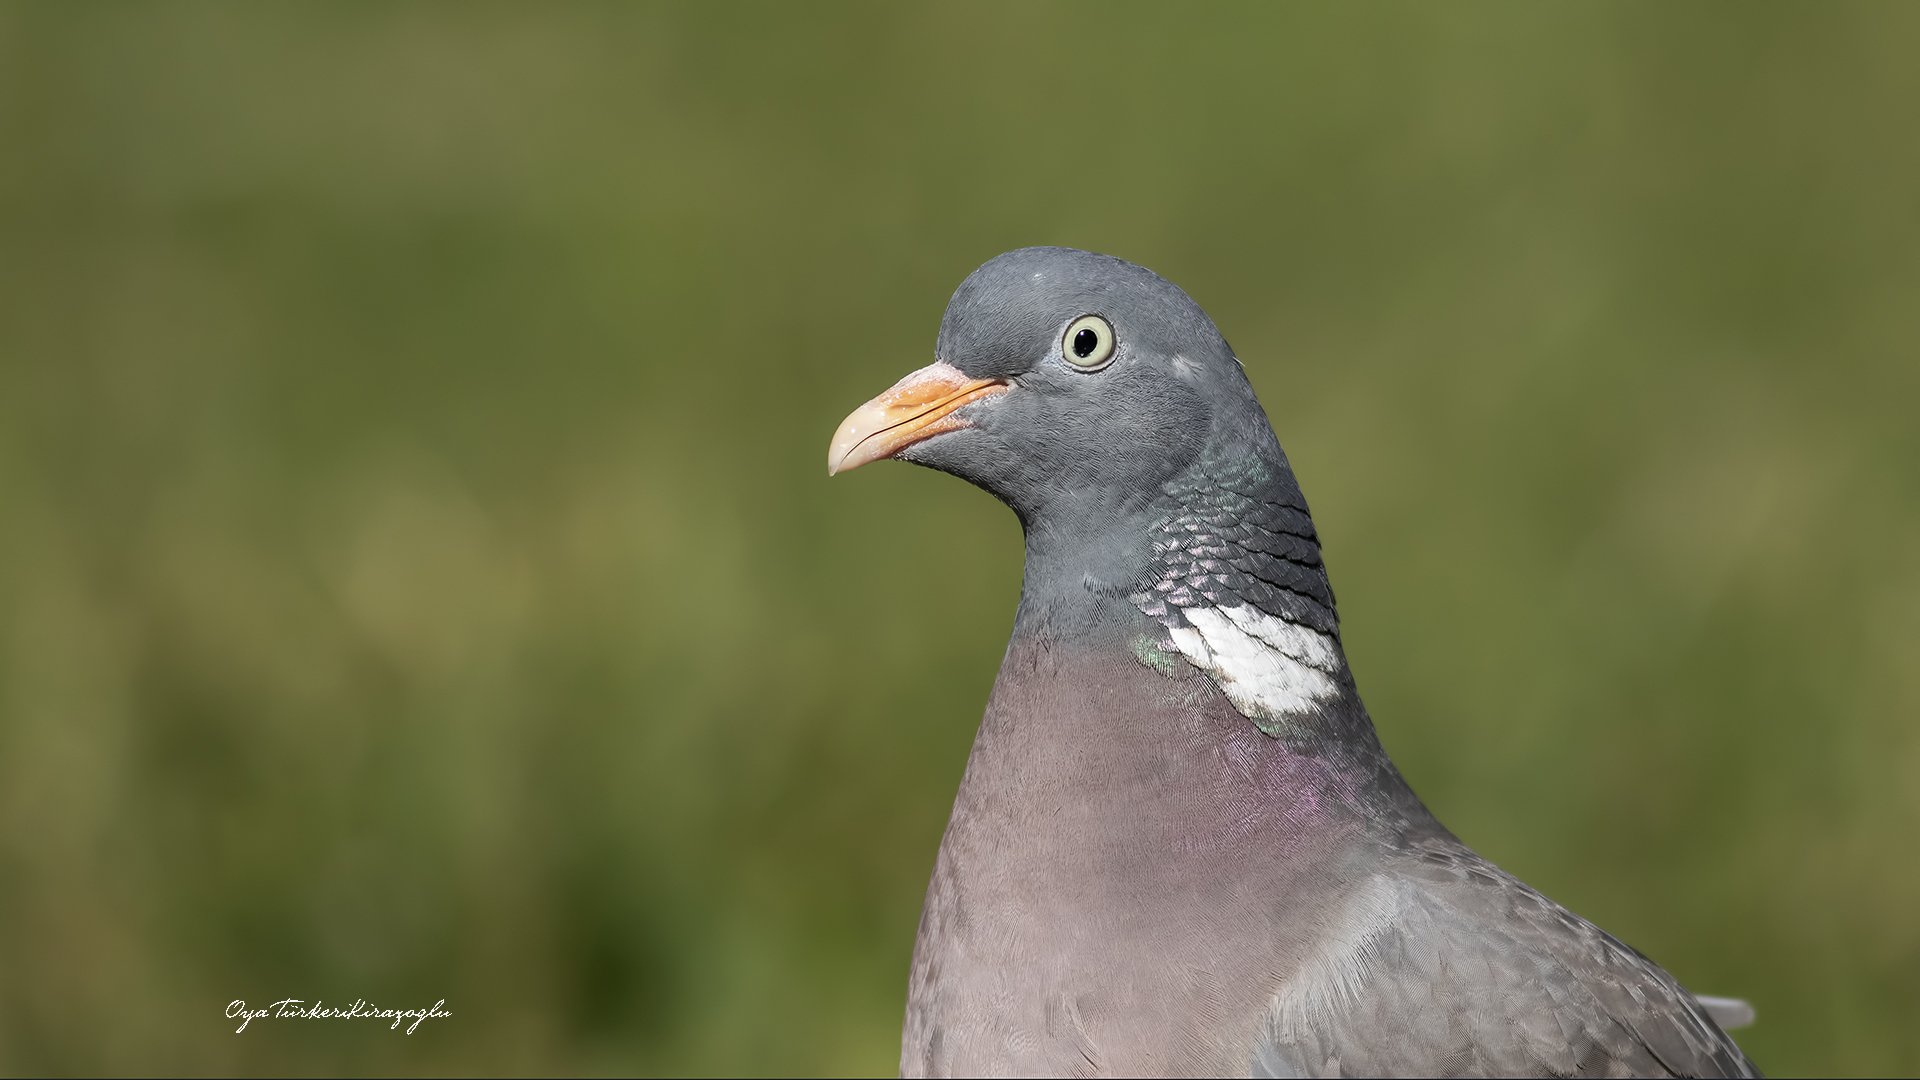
(1101, 352)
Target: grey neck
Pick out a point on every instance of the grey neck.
(1085, 556)
(1219, 537)
(1229, 530)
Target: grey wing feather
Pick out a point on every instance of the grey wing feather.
(1468, 972)
(1728, 1012)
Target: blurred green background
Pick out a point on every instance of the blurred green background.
(419, 578)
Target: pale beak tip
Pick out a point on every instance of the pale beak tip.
(840, 452)
(917, 407)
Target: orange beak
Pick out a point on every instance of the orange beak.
(917, 407)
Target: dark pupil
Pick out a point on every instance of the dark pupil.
(1084, 342)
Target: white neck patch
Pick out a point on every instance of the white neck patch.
(1270, 669)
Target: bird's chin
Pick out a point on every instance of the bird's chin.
(978, 456)
(962, 451)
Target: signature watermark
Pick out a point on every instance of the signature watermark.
(296, 1009)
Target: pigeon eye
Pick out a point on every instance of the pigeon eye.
(1089, 343)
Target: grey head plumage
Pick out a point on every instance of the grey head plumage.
(1179, 846)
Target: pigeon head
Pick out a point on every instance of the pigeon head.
(1073, 386)
(1097, 400)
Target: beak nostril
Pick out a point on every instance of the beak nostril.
(916, 408)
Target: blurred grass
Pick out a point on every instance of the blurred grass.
(419, 580)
